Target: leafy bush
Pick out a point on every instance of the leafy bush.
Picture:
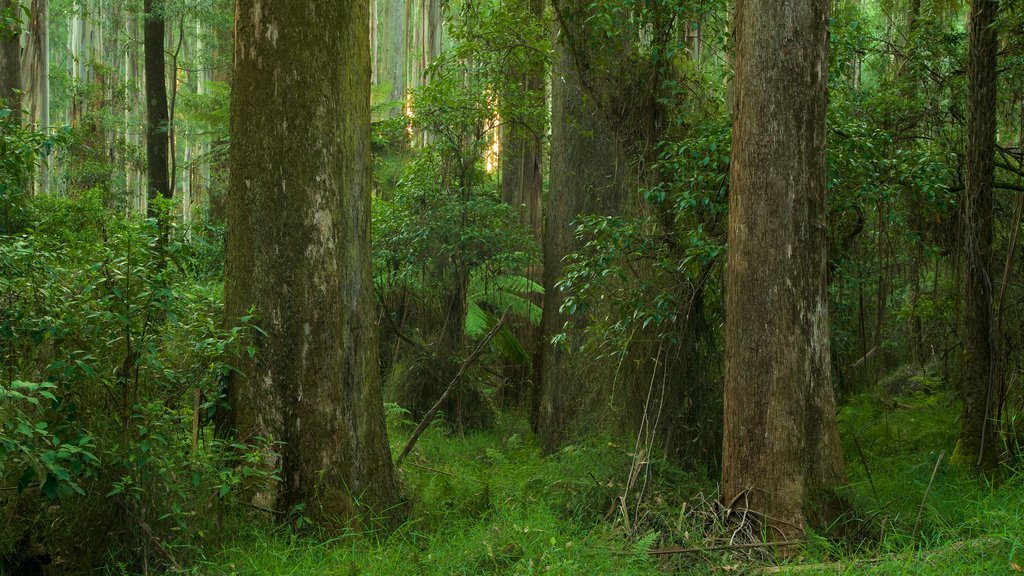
(115, 359)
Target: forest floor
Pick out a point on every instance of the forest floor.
(490, 504)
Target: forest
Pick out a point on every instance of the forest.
(523, 287)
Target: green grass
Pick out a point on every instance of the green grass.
(484, 504)
(490, 504)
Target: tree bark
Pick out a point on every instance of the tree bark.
(10, 59)
(522, 181)
(781, 454)
(588, 176)
(391, 41)
(977, 443)
(158, 182)
(35, 70)
(298, 251)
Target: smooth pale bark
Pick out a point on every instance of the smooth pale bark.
(298, 252)
(781, 455)
(35, 72)
(10, 60)
(392, 50)
(134, 109)
(588, 176)
(158, 182)
(977, 443)
(435, 30)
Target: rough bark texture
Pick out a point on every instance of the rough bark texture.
(587, 177)
(977, 444)
(298, 250)
(157, 170)
(10, 60)
(522, 181)
(781, 453)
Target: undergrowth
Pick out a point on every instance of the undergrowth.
(490, 504)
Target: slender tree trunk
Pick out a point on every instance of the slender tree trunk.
(977, 444)
(10, 59)
(588, 176)
(781, 454)
(522, 180)
(298, 251)
(435, 30)
(157, 169)
(391, 40)
(35, 70)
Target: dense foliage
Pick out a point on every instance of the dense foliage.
(115, 351)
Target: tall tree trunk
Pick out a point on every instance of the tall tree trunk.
(298, 251)
(35, 70)
(157, 169)
(588, 176)
(977, 446)
(522, 182)
(10, 58)
(391, 40)
(780, 453)
(522, 185)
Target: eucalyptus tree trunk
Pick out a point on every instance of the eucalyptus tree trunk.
(391, 42)
(35, 70)
(588, 176)
(10, 59)
(435, 30)
(522, 181)
(977, 444)
(134, 111)
(158, 182)
(781, 456)
(298, 253)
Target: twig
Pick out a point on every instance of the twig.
(917, 523)
(697, 549)
(447, 473)
(159, 544)
(838, 566)
(863, 358)
(864, 462)
(429, 417)
(196, 409)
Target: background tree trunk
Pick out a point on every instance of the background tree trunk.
(391, 40)
(588, 176)
(157, 163)
(781, 443)
(977, 444)
(298, 250)
(10, 59)
(35, 70)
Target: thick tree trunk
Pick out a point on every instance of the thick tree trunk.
(588, 176)
(977, 444)
(298, 251)
(157, 169)
(10, 60)
(781, 454)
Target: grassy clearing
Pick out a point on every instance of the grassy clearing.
(489, 504)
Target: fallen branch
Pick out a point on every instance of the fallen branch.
(837, 567)
(917, 523)
(721, 547)
(429, 417)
